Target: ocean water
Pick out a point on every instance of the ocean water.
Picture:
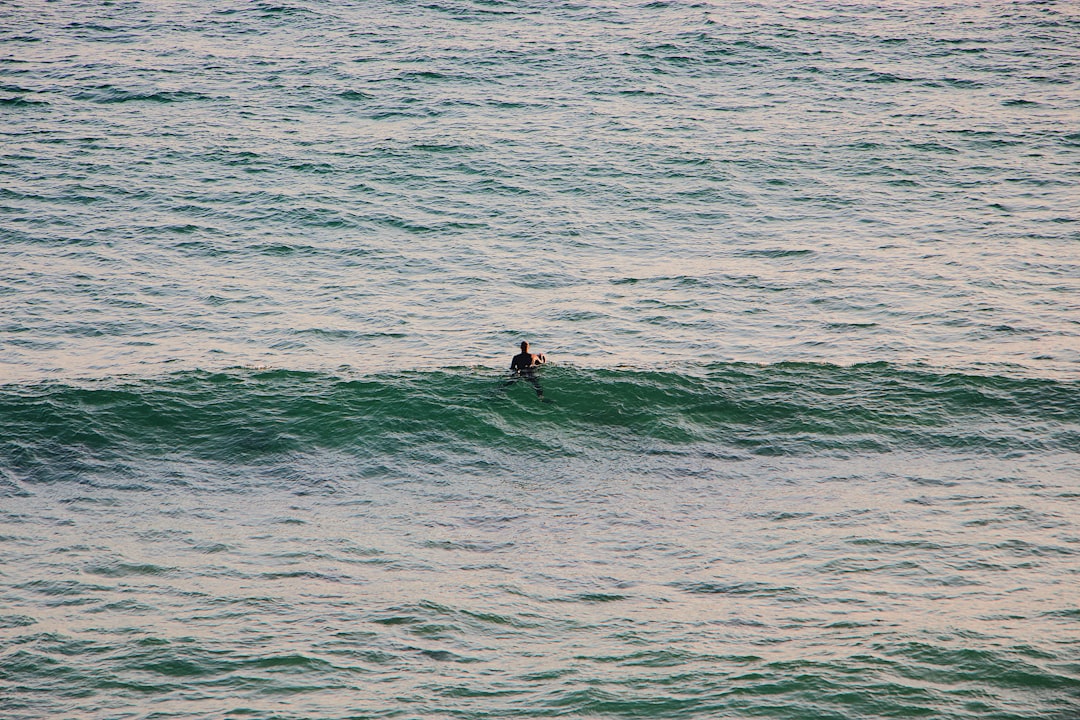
(807, 275)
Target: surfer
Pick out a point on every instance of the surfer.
(525, 359)
(523, 367)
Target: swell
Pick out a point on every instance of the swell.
(787, 409)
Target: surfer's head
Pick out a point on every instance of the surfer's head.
(524, 346)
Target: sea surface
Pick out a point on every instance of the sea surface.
(807, 275)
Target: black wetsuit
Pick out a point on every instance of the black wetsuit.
(524, 366)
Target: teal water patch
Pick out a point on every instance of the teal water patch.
(456, 415)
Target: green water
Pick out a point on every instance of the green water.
(793, 541)
(791, 409)
(806, 272)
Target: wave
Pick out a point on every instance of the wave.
(737, 410)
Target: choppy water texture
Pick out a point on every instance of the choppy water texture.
(808, 274)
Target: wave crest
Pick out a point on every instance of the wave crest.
(246, 416)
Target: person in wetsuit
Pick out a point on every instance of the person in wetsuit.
(524, 365)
